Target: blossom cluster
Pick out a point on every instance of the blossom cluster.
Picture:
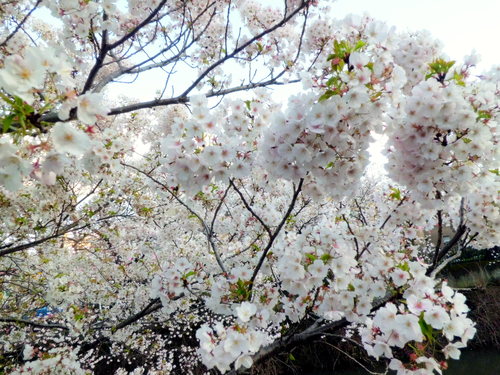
(238, 224)
(222, 346)
(428, 316)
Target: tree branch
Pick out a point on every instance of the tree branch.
(275, 234)
(153, 306)
(33, 324)
(390, 215)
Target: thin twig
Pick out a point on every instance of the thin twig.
(20, 24)
(249, 208)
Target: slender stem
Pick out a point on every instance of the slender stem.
(136, 29)
(218, 209)
(362, 216)
(14, 249)
(352, 358)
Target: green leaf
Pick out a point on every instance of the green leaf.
(326, 257)
(20, 220)
(7, 99)
(342, 49)
(311, 257)
(291, 357)
(426, 329)
(327, 95)
(40, 228)
(481, 114)
(404, 266)
(189, 274)
(331, 81)
(376, 95)
(360, 44)
(396, 194)
(459, 79)
(494, 171)
(79, 316)
(466, 140)
(89, 213)
(7, 122)
(439, 68)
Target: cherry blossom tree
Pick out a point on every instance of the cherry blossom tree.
(242, 227)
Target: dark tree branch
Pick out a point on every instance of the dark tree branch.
(352, 234)
(275, 234)
(153, 306)
(317, 328)
(9, 250)
(362, 216)
(103, 51)
(212, 224)
(461, 230)
(73, 227)
(33, 324)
